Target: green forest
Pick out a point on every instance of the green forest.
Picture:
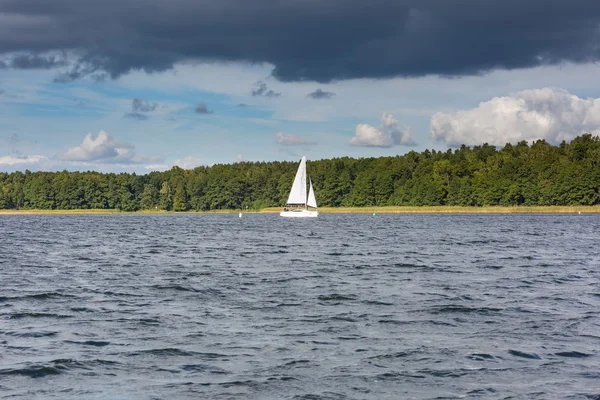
(539, 174)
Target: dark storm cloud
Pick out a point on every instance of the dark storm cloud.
(33, 61)
(201, 108)
(320, 94)
(304, 39)
(79, 70)
(29, 61)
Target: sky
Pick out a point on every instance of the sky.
(143, 85)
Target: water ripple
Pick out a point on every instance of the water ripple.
(342, 307)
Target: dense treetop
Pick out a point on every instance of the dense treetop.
(540, 174)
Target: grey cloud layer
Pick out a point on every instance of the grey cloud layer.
(139, 105)
(136, 115)
(32, 61)
(320, 94)
(140, 108)
(261, 89)
(201, 108)
(303, 39)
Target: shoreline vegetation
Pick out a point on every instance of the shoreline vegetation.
(540, 177)
(341, 210)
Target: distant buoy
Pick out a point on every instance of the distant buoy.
(240, 215)
(579, 212)
(374, 214)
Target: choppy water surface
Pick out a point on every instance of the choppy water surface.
(341, 307)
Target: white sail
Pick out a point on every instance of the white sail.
(298, 196)
(312, 201)
(298, 192)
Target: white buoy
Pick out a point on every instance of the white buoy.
(240, 215)
(579, 212)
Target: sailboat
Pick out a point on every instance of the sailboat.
(298, 203)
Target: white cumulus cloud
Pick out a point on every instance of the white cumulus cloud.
(156, 167)
(103, 149)
(366, 135)
(387, 135)
(188, 162)
(17, 160)
(551, 114)
(291, 140)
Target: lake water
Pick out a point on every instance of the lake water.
(339, 307)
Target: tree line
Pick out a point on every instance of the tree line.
(517, 174)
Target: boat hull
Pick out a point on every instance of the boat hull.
(299, 214)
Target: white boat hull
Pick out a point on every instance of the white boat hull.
(299, 214)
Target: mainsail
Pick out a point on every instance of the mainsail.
(298, 192)
(312, 202)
